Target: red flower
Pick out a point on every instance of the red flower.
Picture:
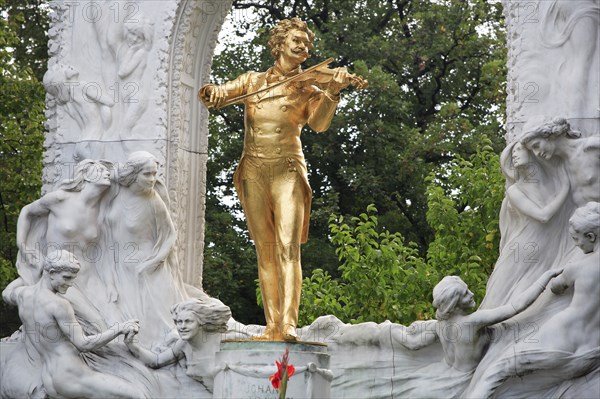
(275, 380)
(283, 374)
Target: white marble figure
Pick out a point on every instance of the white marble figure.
(83, 101)
(464, 337)
(568, 344)
(199, 325)
(132, 56)
(536, 201)
(554, 138)
(141, 234)
(108, 34)
(67, 218)
(59, 338)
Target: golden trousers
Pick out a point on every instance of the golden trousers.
(275, 196)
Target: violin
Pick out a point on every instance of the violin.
(318, 74)
(323, 75)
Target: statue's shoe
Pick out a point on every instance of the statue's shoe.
(270, 334)
(289, 334)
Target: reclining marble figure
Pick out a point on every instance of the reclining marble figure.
(464, 337)
(58, 338)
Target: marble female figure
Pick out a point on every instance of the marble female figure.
(140, 231)
(555, 145)
(572, 28)
(91, 112)
(132, 57)
(536, 200)
(67, 218)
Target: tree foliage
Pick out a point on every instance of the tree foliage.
(436, 73)
(384, 278)
(28, 20)
(463, 207)
(223, 277)
(21, 138)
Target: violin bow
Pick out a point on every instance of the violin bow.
(238, 99)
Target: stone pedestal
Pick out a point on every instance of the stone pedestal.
(244, 367)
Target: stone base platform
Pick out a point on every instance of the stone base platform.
(244, 367)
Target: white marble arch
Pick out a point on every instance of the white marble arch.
(179, 38)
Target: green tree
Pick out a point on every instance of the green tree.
(436, 73)
(21, 139)
(463, 207)
(382, 278)
(223, 277)
(29, 21)
(385, 278)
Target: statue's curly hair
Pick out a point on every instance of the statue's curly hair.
(211, 315)
(86, 170)
(281, 30)
(586, 219)
(59, 261)
(548, 129)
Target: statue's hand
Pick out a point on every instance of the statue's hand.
(130, 337)
(130, 328)
(213, 95)
(340, 81)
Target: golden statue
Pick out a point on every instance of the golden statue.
(271, 179)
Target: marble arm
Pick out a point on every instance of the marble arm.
(100, 98)
(416, 336)
(70, 327)
(37, 210)
(530, 208)
(487, 317)
(10, 293)
(135, 60)
(40, 207)
(149, 358)
(166, 247)
(524, 300)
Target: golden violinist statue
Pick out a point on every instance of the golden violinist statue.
(271, 179)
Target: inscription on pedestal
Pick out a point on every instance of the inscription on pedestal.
(261, 391)
(244, 368)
